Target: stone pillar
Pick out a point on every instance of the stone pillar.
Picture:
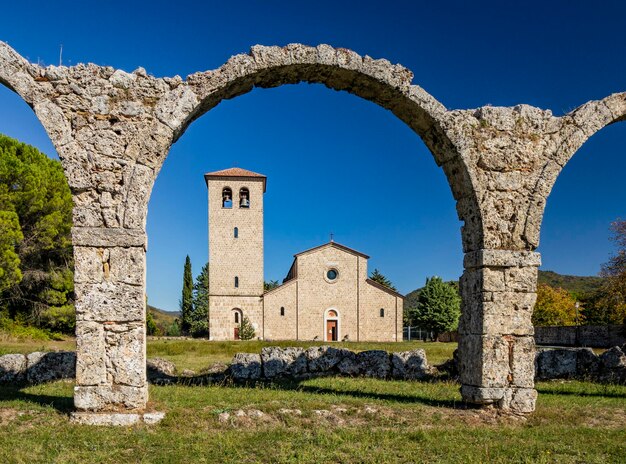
(496, 344)
(110, 269)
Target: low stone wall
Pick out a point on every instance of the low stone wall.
(40, 367)
(298, 363)
(596, 336)
(581, 363)
(37, 367)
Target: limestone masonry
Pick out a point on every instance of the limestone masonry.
(113, 130)
(326, 294)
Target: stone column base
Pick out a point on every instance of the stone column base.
(517, 400)
(116, 418)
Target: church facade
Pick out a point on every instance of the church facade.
(326, 294)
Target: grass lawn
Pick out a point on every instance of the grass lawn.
(342, 420)
(200, 354)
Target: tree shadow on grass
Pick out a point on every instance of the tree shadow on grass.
(606, 394)
(363, 394)
(63, 404)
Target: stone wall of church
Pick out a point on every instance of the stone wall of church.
(317, 294)
(222, 315)
(374, 327)
(279, 327)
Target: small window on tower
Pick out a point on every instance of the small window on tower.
(227, 198)
(244, 198)
(382, 312)
(236, 282)
(236, 232)
(282, 311)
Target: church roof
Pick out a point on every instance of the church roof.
(335, 245)
(236, 172)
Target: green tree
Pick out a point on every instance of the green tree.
(555, 306)
(199, 317)
(438, 307)
(381, 279)
(33, 189)
(612, 298)
(186, 302)
(151, 327)
(271, 285)
(10, 236)
(246, 330)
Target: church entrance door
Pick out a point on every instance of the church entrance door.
(331, 331)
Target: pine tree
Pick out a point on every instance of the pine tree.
(36, 259)
(186, 302)
(439, 306)
(381, 279)
(246, 330)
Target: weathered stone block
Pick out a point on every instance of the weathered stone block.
(159, 370)
(520, 400)
(246, 366)
(501, 258)
(482, 395)
(99, 264)
(125, 351)
(44, 367)
(521, 279)
(554, 363)
(410, 365)
(349, 365)
(613, 358)
(110, 398)
(279, 362)
(587, 363)
(499, 313)
(324, 358)
(12, 367)
(108, 237)
(522, 361)
(374, 363)
(484, 360)
(109, 302)
(90, 354)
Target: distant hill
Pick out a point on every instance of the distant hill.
(163, 318)
(573, 284)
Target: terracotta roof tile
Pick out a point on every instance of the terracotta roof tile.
(236, 172)
(233, 172)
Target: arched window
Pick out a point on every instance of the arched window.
(282, 311)
(227, 197)
(236, 232)
(332, 313)
(236, 282)
(382, 312)
(244, 198)
(236, 317)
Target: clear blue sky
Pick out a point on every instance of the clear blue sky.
(335, 162)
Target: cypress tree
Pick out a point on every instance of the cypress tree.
(186, 302)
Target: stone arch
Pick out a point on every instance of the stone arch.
(113, 130)
(572, 131)
(387, 85)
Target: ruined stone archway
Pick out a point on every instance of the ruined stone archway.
(113, 130)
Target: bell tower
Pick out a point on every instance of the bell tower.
(235, 198)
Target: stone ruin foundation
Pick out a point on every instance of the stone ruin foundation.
(113, 130)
